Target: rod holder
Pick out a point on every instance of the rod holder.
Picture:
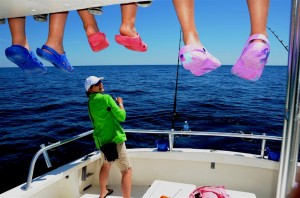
(83, 173)
(263, 147)
(46, 156)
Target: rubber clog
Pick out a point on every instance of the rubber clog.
(198, 60)
(254, 57)
(132, 43)
(98, 41)
(25, 59)
(58, 60)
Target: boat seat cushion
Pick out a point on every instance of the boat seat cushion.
(160, 188)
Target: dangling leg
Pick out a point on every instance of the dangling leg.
(96, 39)
(193, 55)
(53, 50)
(57, 25)
(128, 36)
(185, 14)
(20, 53)
(255, 54)
(17, 29)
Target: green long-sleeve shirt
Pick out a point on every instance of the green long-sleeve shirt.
(106, 116)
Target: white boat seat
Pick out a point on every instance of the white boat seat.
(240, 194)
(169, 189)
(172, 189)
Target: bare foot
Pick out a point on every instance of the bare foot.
(128, 29)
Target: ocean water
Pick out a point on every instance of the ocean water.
(44, 109)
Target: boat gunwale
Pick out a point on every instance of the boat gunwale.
(171, 134)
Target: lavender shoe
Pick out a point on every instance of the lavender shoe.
(250, 64)
(198, 60)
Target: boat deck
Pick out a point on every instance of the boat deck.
(159, 189)
(136, 192)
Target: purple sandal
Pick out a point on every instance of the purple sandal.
(198, 60)
(250, 64)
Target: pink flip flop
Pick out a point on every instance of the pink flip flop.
(98, 41)
(198, 60)
(250, 64)
(132, 43)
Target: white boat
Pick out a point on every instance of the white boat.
(163, 171)
(177, 172)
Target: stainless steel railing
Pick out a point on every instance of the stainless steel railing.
(170, 133)
(44, 149)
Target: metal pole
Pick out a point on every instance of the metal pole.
(263, 147)
(290, 137)
(46, 156)
(171, 141)
(46, 148)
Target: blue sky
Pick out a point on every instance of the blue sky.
(223, 27)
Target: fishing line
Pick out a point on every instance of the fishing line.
(175, 114)
(281, 41)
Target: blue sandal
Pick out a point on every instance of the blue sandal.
(25, 59)
(58, 60)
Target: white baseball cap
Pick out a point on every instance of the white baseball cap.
(91, 80)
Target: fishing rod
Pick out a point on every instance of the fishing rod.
(281, 41)
(175, 114)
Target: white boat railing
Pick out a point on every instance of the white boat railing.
(170, 134)
(44, 150)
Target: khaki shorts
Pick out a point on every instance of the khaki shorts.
(123, 162)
